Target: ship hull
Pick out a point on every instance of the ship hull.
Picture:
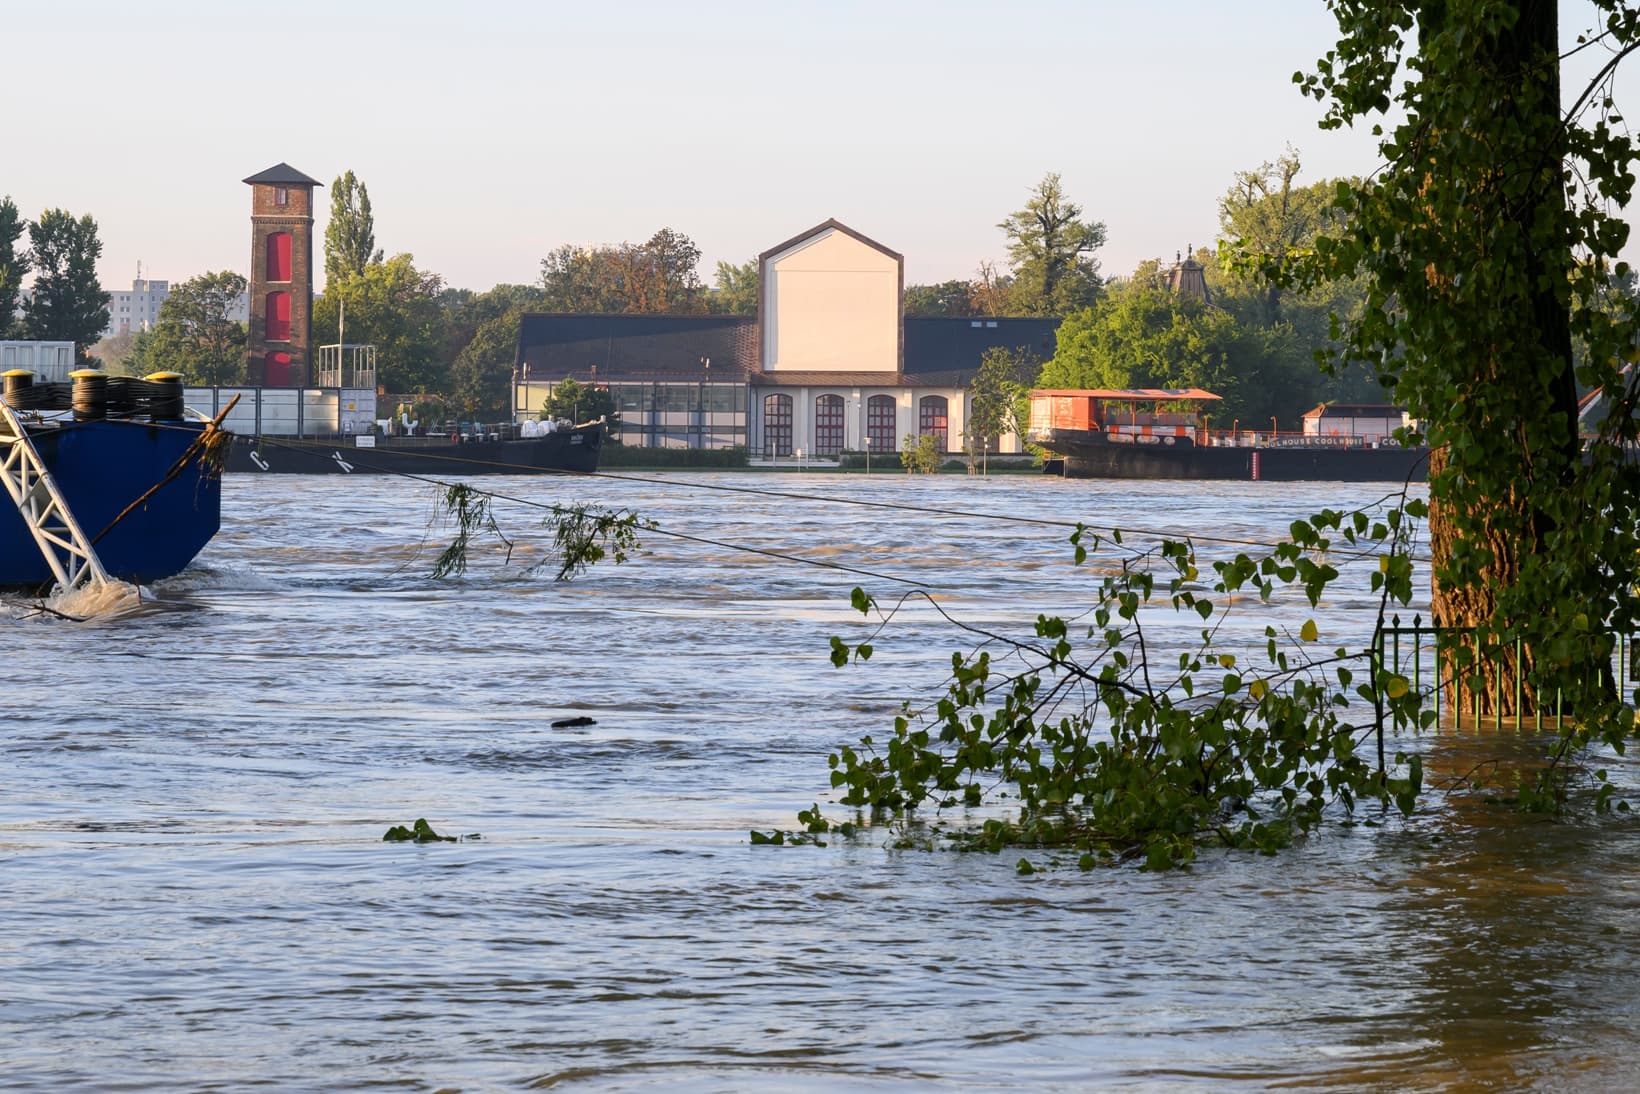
(101, 468)
(1088, 454)
(574, 451)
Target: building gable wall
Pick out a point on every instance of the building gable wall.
(831, 302)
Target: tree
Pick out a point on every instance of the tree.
(394, 306)
(920, 454)
(576, 402)
(1050, 248)
(649, 278)
(1141, 336)
(68, 304)
(13, 263)
(999, 394)
(735, 288)
(1467, 238)
(350, 237)
(118, 352)
(482, 356)
(949, 298)
(992, 293)
(1268, 222)
(195, 336)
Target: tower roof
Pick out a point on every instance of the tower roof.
(283, 174)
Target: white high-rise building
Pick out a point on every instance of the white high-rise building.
(138, 310)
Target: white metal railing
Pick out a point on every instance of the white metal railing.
(63, 544)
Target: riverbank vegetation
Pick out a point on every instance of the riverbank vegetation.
(1481, 255)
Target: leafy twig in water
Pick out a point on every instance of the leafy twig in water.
(584, 536)
(471, 510)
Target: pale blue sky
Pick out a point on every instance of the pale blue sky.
(491, 131)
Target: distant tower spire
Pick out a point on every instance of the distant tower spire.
(1188, 278)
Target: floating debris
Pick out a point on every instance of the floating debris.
(421, 832)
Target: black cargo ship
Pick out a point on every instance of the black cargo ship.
(570, 449)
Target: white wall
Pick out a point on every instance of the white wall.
(49, 361)
(831, 303)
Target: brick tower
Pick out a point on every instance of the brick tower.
(281, 285)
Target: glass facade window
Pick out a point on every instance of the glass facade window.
(777, 426)
(881, 416)
(931, 421)
(828, 425)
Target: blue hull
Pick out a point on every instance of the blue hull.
(102, 467)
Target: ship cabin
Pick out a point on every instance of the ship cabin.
(1352, 425)
(1122, 414)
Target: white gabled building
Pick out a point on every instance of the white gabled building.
(830, 364)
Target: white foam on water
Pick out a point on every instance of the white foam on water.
(96, 601)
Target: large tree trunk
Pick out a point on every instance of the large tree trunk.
(1521, 59)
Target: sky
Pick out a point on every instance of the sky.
(490, 132)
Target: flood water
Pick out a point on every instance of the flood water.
(195, 894)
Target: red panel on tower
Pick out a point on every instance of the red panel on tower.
(278, 317)
(279, 256)
(276, 370)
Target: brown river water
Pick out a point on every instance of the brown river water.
(194, 894)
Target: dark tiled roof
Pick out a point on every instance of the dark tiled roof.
(638, 347)
(939, 352)
(945, 352)
(283, 174)
(816, 378)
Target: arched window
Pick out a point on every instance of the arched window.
(278, 320)
(881, 416)
(828, 425)
(931, 421)
(276, 369)
(278, 264)
(777, 426)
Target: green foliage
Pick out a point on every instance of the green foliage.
(194, 335)
(948, 298)
(481, 341)
(1050, 248)
(735, 288)
(583, 536)
(1142, 336)
(68, 304)
(397, 308)
(570, 400)
(1081, 740)
(14, 263)
(350, 237)
(999, 395)
(1483, 243)
(470, 509)
(420, 832)
(629, 455)
(1269, 222)
(657, 276)
(920, 455)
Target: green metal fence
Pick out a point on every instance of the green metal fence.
(1414, 653)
